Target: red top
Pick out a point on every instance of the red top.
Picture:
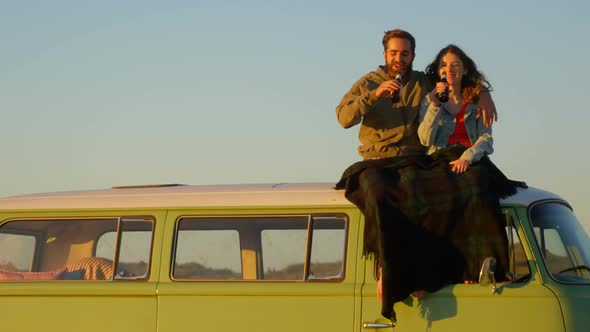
(460, 133)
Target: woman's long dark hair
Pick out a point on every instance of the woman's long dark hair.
(472, 81)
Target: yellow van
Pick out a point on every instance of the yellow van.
(276, 257)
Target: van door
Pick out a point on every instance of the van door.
(522, 305)
(69, 273)
(277, 271)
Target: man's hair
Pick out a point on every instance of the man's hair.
(399, 33)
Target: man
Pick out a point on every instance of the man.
(389, 127)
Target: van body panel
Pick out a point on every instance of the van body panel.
(220, 196)
(575, 304)
(257, 293)
(319, 307)
(119, 305)
(526, 305)
(260, 305)
(516, 307)
(558, 246)
(84, 311)
(72, 305)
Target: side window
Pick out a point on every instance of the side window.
(203, 253)
(134, 248)
(284, 251)
(327, 248)
(519, 265)
(562, 241)
(69, 249)
(554, 251)
(260, 248)
(17, 251)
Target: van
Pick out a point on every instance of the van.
(268, 257)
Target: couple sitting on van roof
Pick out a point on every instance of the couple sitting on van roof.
(415, 202)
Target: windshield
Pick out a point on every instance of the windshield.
(563, 242)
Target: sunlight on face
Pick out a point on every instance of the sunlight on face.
(453, 67)
(398, 56)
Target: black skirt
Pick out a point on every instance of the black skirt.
(429, 227)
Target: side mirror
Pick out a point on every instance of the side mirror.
(486, 274)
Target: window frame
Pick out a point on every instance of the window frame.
(118, 240)
(36, 236)
(309, 242)
(118, 218)
(513, 223)
(539, 246)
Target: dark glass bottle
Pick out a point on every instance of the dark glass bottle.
(396, 96)
(443, 97)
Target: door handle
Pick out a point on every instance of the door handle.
(367, 325)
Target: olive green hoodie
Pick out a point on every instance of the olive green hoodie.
(387, 129)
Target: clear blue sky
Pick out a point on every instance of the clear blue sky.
(105, 93)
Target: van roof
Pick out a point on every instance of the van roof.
(238, 195)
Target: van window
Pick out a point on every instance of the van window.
(327, 248)
(69, 249)
(134, 249)
(283, 252)
(16, 251)
(564, 244)
(519, 270)
(310, 248)
(207, 253)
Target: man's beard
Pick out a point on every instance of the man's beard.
(391, 72)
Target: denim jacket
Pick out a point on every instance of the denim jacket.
(437, 124)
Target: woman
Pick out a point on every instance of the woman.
(455, 121)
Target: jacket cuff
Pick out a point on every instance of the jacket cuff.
(468, 155)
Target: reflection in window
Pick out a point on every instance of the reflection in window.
(260, 248)
(283, 253)
(55, 249)
(562, 241)
(519, 266)
(134, 250)
(16, 252)
(74, 249)
(207, 254)
(327, 248)
(554, 252)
